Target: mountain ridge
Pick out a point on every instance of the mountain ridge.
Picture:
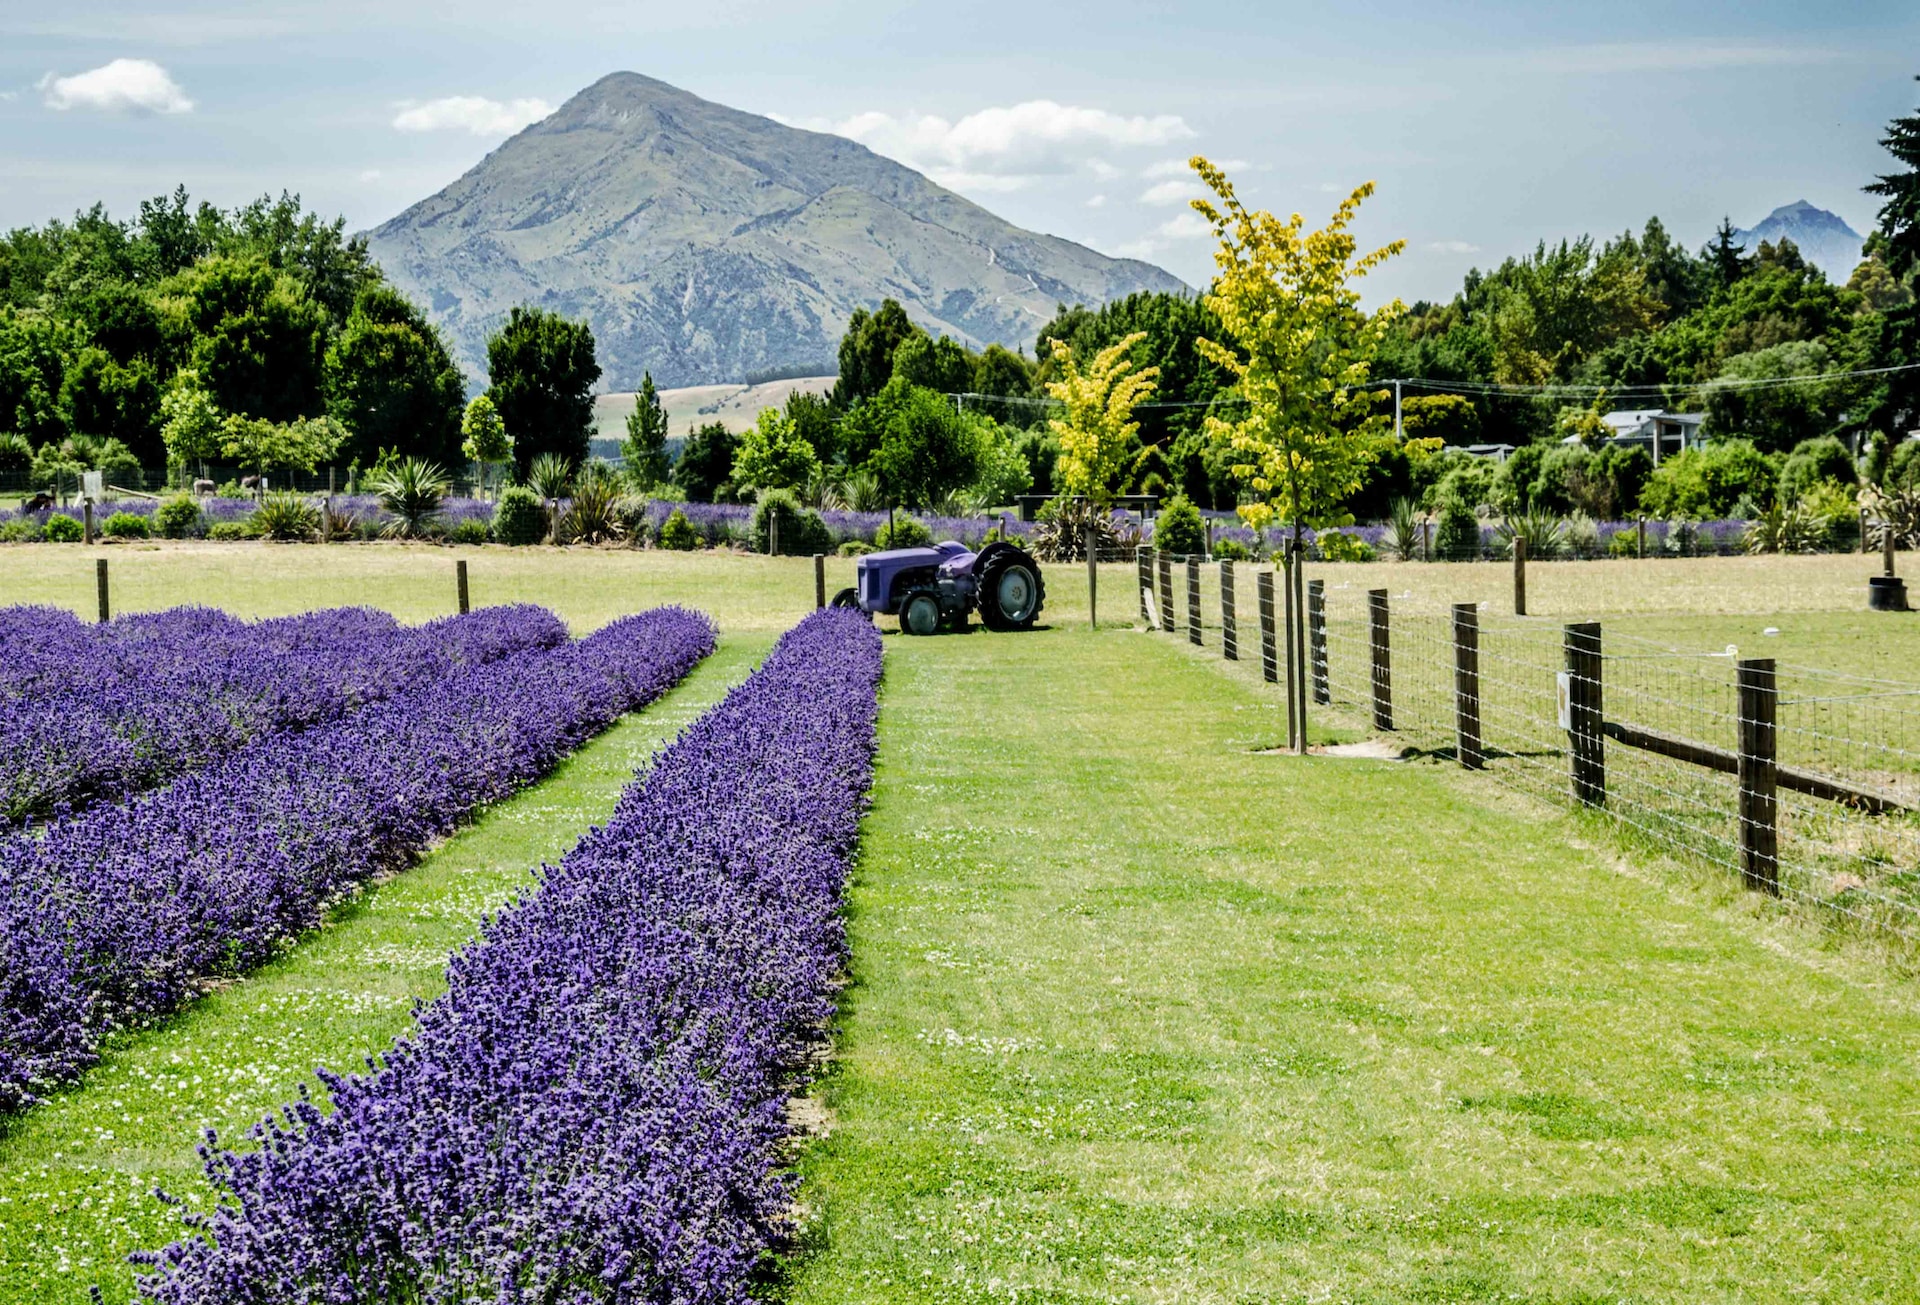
(1823, 238)
(704, 242)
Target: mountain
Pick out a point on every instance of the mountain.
(703, 243)
(1824, 239)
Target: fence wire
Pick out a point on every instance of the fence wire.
(1832, 820)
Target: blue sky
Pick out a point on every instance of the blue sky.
(1487, 126)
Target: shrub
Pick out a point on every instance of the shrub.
(519, 517)
(1338, 547)
(1903, 466)
(1822, 461)
(1626, 544)
(285, 516)
(126, 525)
(178, 517)
(17, 532)
(677, 533)
(227, 531)
(1457, 537)
(62, 530)
(592, 516)
(1178, 529)
(905, 532)
(471, 531)
(1231, 550)
(412, 490)
(1786, 528)
(1545, 533)
(802, 533)
(856, 548)
(1707, 480)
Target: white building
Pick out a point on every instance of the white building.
(1654, 427)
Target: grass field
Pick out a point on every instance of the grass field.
(1137, 1013)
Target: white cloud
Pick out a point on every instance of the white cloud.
(1004, 148)
(122, 86)
(470, 113)
(1181, 168)
(1175, 230)
(1098, 201)
(1453, 247)
(1172, 192)
(370, 174)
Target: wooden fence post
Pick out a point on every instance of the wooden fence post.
(1166, 591)
(1300, 638)
(1143, 559)
(1269, 647)
(773, 531)
(1193, 601)
(1290, 559)
(1886, 546)
(1466, 686)
(1380, 646)
(1586, 713)
(1317, 640)
(1229, 625)
(460, 581)
(1519, 576)
(1640, 543)
(100, 584)
(86, 510)
(1426, 539)
(1865, 541)
(819, 581)
(1758, 775)
(1093, 578)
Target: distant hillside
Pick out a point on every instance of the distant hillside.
(734, 406)
(1824, 239)
(704, 243)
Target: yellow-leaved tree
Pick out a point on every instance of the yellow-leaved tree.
(1098, 428)
(1301, 351)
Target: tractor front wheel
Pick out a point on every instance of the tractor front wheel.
(846, 598)
(920, 614)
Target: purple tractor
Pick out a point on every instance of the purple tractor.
(934, 588)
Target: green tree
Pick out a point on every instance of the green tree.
(392, 383)
(914, 441)
(486, 440)
(190, 421)
(772, 456)
(1727, 256)
(815, 421)
(258, 340)
(1097, 430)
(116, 400)
(645, 448)
(1000, 371)
(543, 371)
(299, 445)
(33, 352)
(1301, 350)
(706, 462)
(942, 365)
(866, 351)
(1900, 214)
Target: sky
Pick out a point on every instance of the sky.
(1486, 126)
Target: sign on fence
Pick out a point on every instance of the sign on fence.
(1563, 683)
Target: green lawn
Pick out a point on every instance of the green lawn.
(76, 1174)
(1141, 1016)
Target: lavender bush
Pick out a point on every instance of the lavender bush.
(594, 1110)
(100, 711)
(115, 915)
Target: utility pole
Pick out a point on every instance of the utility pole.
(1396, 412)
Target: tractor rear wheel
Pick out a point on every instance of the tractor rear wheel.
(1011, 590)
(920, 614)
(846, 598)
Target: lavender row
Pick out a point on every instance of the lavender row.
(595, 1109)
(117, 914)
(95, 712)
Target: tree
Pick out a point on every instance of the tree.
(1002, 372)
(298, 445)
(772, 456)
(190, 421)
(1302, 351)
(815, 422)
(866, 351)
(258, 340)
(942, 365)
(1727, 256)
(1900, 215)
(914, 441)
(487, 441)
(1098, 431)
(543, 371)
(32, 374)
(706, 462)
(645, 448)
(392, 383)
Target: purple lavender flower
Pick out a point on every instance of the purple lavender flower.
(114, 914)
(595, 1108)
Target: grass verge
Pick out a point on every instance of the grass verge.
(1140, 1016)
(77, 1174)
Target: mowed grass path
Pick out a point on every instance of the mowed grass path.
(77, 1174)
(1139, 1016)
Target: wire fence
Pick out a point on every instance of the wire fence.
(1801, 781)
